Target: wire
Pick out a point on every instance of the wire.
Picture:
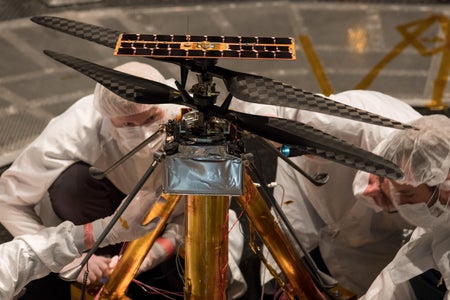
(266, 253)
(157, 291)
(179, 265)
(263, 279)
(85, 279)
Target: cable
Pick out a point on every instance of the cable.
(85, 279)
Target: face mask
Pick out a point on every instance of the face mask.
(443, 214)
(438, 208)
(419, 214)
(130, 137)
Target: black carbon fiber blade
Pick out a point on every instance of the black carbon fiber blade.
(262, 90)
(100, 35)
(127, 86)
(315, 142)
(246, 87)
(97, 34)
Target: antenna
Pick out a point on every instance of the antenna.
(187, 25)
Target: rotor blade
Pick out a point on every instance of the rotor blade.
(101, 35)
(127, 86)
(262, 90)
(315, 142)
(97, 34)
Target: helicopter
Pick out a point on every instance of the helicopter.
(205, 123)
(246, 87)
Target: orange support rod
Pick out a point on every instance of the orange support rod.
(136, 251)
(299, 279)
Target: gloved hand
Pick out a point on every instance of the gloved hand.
(98, 266)
(127, 228)
(165, 245)
(160, 251)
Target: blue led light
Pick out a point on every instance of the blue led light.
(285, 150)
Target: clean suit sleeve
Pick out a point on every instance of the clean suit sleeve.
(300, 213)
(63, 142)
(441, 252)
(383, 288)
(253, 108)
(29, 257)
(361, 134)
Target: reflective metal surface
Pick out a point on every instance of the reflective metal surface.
(203, 171)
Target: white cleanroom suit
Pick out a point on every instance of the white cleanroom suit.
(421, 197)
(33, 256)
(355, 241)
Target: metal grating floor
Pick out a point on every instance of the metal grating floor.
(12, 9)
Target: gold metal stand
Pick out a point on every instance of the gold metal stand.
(278, 245)
(206, 248)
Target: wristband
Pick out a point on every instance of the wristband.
(88, 235)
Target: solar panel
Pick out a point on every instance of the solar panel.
(196, 46)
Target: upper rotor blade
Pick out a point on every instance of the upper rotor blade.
(262, 90)
(101, 35)
(315, 142)
(127, 86)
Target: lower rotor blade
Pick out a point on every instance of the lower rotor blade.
(315, 142)
(127, 86)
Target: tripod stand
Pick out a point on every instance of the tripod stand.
(206, 240)
(205, 160)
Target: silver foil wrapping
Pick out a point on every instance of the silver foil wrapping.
(203, 170)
